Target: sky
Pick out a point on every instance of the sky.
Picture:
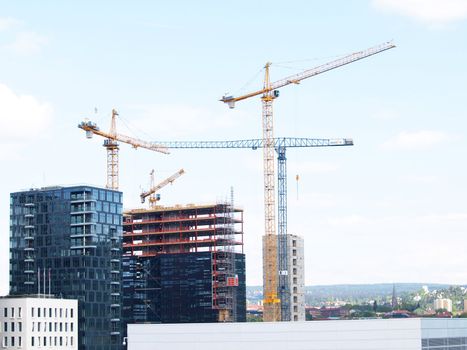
(389, 209)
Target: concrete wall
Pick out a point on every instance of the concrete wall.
(394, 334)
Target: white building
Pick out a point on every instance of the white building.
(370, 334)
(38, 323)
(296, 273)
(443, 304)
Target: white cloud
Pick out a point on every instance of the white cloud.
(413, 141)
(27, 43)
(23, 116)
(428, 11)
(8, 23)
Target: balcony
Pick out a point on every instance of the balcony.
(114, 305)
(29, 271)
(114, 333)
(29, 238)
(83, 247)
(29, 282)
(114, 260)
(82, 223)
(29, 215)
(83, 235)
(29, 260)
(29, 226)
(28, 249)
(29, 204)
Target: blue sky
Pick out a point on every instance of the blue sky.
(389, 209)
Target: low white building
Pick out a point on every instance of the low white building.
(28, 322)
(370, 334)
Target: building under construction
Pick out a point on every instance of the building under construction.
(184, 264)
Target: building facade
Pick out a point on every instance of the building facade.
(184, 264)
(445, 304)
(66, 241)
(369, 334)
(31, 322)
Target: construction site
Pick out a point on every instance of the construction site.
(158, 239)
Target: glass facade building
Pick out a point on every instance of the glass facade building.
(66, 241)
(177, 288)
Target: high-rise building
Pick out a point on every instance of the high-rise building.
(66, 241)
(184, 264)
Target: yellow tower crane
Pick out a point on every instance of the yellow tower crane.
(153, 197)
(269, 92)
(111, 144)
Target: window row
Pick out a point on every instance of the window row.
(12, 312)
(14, 341)
(13, 327)
(52, 327)
(57, 312)
(51, 341)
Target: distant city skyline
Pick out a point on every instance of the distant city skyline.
(389, 209)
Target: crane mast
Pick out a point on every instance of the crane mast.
(271, 303)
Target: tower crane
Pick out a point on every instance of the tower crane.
(111, 144)
(153, 197)
(268, 93)
(280, 145)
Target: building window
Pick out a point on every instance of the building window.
(5, 312)
(61, 341)
(12, 326)
(294, 243)
(61, 329)
(32, 312)
(295, 299)
(5, 326)
(50, 326)
(12, 312)
(294, 262)
(295, 318)
(20, 326)
(294, 252)
(38, 328)
(294, 271)
(71, 313)
(19, 342)
(5, 342)
(38, 312)
(295, 308)
(45, 341)
(32, 341)
(19, 312)
(50, 312)
(71, 327)
(71, 341)
(294, 280)
(12, 341)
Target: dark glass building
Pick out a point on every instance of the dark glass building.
(66, 241)
(179, 288)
